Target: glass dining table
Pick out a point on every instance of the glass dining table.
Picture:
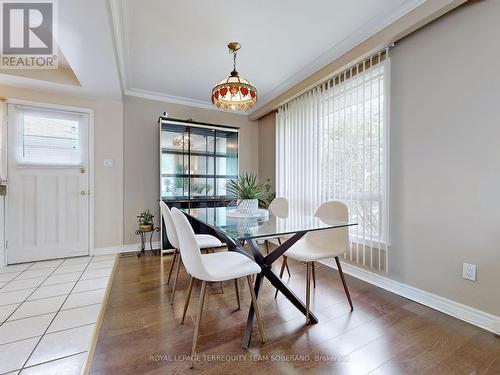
(224, 223)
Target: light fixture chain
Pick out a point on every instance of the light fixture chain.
(234, 60)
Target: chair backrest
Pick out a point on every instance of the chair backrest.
(336, 239)
(279, 207)
(169, 225)
(190, 250)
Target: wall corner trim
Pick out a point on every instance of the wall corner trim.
(460, 311)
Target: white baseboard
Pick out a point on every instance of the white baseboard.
(137, 246)
(123, 248)
(466, 313)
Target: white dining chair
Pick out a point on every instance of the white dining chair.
(323, 244)
(205, 241)
(279, 207)
(213, 267)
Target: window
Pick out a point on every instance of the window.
(49, 137)
(332, 144)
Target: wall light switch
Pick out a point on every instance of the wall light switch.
(469, 271)
(108, 163)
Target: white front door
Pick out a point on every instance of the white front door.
(48, 184)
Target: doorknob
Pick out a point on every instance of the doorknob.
(82, 170)
(83, 192)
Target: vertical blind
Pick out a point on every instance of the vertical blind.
(332, 143)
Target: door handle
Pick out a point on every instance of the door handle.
(82, 170)
(83, 192)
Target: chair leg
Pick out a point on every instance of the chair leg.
(313, 274)
(286, 263)
(308, 290)
(286, 266)
(198, 319)
(176, 277)
(267, 246)
(237, 290)
(172, 266)
(282, 270)
(221, 288)
(256, 309)
(343, 282)
(186, 304)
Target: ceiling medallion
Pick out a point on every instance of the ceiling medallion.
(234, 93)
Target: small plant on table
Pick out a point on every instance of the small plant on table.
(145, 221)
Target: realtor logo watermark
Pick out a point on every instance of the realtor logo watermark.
(28, 34)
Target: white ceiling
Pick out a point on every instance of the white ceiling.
(85, 37)
(176, 50)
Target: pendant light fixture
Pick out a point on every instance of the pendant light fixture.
(234, 93)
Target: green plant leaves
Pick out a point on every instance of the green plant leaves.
(145, 218)
(246, 187)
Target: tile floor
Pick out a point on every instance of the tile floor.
(48, 313)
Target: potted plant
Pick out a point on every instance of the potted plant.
(249, 192)
(145, 220)
(270, 196)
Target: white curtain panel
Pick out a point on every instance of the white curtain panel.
(332, 143)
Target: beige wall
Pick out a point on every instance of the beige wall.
(445, 156)
(267, 147)
(108, 144)
(141, 145)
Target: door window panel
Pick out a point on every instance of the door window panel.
(50, 140)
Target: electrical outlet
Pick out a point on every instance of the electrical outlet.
(469, 271)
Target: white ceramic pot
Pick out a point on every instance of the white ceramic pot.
(248, 206)
(247, 227)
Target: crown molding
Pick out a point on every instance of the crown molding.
(407, 19)
(119, 20)
(161, 97)
(119, 28)
(121, 41)
(341, 48)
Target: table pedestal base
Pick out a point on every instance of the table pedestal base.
(265, 262)
(267, 272)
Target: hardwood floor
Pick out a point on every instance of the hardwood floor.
(385, 334)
